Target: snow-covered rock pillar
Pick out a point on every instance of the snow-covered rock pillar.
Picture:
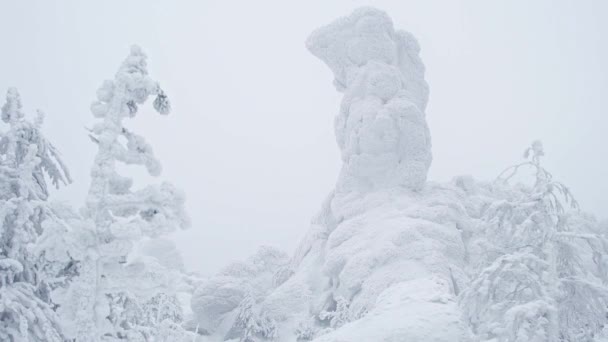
(380, 262)
(381, 127)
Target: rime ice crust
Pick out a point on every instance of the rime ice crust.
(381, 127)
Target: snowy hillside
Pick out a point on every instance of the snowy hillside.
(391, 257)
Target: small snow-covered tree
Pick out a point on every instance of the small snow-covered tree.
(251, 324)
(542, 278)
(110, 284)
(306, 330)
(27, 161)
(339, 313)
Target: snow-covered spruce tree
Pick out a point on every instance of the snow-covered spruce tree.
(542, 277)
(101, 303)
(27, 161)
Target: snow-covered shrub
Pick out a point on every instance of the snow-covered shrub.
(306, 330)
(250, 324)
(338, 314)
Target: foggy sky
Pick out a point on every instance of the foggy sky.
(250, 139)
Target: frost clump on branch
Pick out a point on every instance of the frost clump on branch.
(381, 127)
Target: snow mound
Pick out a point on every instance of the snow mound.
(401, 314)
(389, 269)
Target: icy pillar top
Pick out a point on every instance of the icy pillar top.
(381, 127)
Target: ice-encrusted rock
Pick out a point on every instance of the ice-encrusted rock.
(381, 127)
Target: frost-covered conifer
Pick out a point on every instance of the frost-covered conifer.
(100, 303)
(27, 161)
(541, 277)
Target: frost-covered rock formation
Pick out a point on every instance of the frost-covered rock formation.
(384, 244)
(391, 257)
(381, 127)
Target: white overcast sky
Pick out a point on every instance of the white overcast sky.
(250, 139)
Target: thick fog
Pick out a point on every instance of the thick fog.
(250, 139)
